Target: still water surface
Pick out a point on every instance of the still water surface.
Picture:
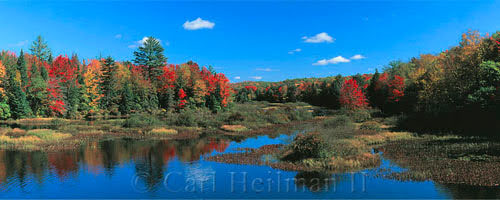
(127, 168)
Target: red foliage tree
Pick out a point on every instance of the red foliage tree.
(61, 72)
(396, 88)
(351, 96)
(182, 101)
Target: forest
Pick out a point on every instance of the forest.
(455, 90)
(38, 85)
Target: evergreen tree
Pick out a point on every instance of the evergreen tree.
(376, 92)
(73, 101)
(44, 74)
(107, 83)
(127, 100)
(18, 104)
(40, 49)
(23, 70)
(150, 55)
(37, 92)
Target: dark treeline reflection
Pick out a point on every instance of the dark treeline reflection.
(150, 158)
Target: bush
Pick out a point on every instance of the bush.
(305, 146)
(186, 117)
(141, 121)
(234, 118)
(370, 126)
(359, 116)
(276, 116)
(339, 121)
(300, 115)
(58, 122)
(201, 117)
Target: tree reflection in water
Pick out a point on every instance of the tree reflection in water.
(150, 158)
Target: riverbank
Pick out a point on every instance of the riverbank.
(346, 143)
(241, 120)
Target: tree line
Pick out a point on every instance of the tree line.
(457, 89)
(36, 84)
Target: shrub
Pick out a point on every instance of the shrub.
(359, 116)
(235, 117)
(370, 126)
(339, 121)
(141, 121)
(309, 145)
(186, 117)
(276, 116)
(58, 122)
(300, 115)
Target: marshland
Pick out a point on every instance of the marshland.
(371, 118)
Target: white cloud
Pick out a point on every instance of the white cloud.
(266, 69)
(319, 38)
(294, 51)
(357, 57)
(237, 77)
(336, 60)
(256, 77)
(118, 36)
(198, 24)
(20, 43)
(141, 42)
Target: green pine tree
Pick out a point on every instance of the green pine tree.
(40, 49)
(23, 70)
(107, 83)
(150, 55)
(18, 104)
(127, 100)
(37, 92)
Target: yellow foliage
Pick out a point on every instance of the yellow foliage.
(91, 80)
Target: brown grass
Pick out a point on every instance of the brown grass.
(163, 131)
(234, 128)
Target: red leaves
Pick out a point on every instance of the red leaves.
(181, 96)
(167, 79)
(61, 73)
(251, 87)
(351, 96)
(396, 88)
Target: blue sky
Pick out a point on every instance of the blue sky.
(255, 40)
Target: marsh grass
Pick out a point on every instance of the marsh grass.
(447, 159)
(48, 135)
(163, 131)
(31, 139)
(340, 144)
(234, 128)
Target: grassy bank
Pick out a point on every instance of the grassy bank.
(348, 141)
(54, 133)
(340, 142)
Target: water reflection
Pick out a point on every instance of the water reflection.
(105, 169)
(150, 158)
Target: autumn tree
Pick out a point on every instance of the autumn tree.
(4, 106)
(351, 96)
